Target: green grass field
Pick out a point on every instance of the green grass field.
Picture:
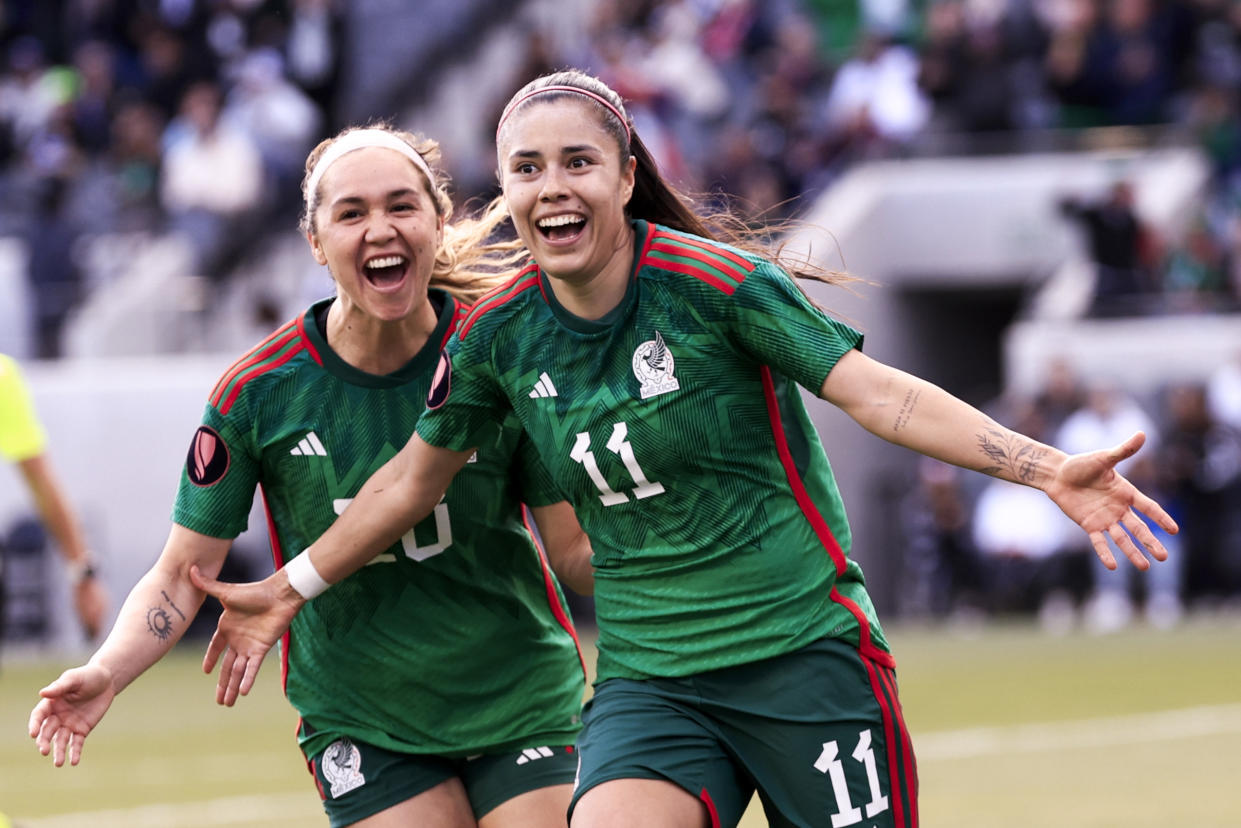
(1012, 728)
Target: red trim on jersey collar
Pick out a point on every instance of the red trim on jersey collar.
(640, 262)
(310, 347)
(459, 312)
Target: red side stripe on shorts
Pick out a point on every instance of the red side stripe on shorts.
(705, 796)
(553, 600)
(909, 759)
(310, 766)
(895, 789)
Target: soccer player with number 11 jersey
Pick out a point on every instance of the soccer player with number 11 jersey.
(655, 369)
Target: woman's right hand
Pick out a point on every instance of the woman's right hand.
(255, 616)
(70, 708)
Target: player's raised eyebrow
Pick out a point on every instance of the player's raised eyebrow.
(569, 150)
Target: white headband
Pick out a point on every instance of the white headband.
(360, 139)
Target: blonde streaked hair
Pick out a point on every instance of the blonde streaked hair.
(469, 263)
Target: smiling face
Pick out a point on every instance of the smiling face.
(376, 229)
(567, 188)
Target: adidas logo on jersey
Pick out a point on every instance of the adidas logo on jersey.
(530, 754)
(309, 447)
(544, 387)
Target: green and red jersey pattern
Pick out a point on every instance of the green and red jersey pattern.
(454, 641)
(676, 428)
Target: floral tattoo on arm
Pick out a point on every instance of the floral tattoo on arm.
(1012, 454)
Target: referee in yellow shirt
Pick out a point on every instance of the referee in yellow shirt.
(24, 442)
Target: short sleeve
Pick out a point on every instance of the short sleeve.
(21, 434)
(218, 479)
(777, 324)
(465, 406)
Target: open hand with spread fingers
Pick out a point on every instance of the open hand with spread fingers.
(255, 616)
(1089, 490)
(68, 711)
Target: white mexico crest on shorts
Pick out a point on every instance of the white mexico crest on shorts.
(652, 365)
(342, 767)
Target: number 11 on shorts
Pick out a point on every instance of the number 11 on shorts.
(829, 762)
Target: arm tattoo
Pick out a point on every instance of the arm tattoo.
(159, 622)
(907, 409)
(1013, 454)
(171, 604)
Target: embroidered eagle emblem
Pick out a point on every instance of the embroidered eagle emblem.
(653, 365)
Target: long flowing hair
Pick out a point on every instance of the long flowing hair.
(654, 198)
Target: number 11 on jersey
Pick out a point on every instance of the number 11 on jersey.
(619, 445)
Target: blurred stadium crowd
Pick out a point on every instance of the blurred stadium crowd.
(192, 118)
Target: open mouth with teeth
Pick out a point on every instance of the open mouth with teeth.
(385, 271)
(562, 228)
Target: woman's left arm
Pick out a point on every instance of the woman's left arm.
(911, 412)
(567, 547)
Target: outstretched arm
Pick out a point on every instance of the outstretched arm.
(914, 413)
(153, 618)
(399, 494)
(568, 548)
(89, 597)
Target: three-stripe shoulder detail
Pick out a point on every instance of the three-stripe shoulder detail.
(459, 314)
(703, 259)
(287, 342)
(523, 281)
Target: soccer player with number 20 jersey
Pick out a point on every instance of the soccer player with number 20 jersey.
(441, 684)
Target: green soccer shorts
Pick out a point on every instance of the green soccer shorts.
(357, 780)
(818, 733)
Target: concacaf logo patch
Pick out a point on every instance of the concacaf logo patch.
(653, 365)
(207, 461)
(342, 767)
(441, 383)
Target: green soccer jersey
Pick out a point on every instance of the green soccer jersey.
(675, 427)
(454, 641)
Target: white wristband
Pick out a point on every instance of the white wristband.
(303, 576)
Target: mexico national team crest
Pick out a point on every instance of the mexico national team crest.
(342, 767)
(652, 365)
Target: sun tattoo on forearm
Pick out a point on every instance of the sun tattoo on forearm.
(159, 622)
(1011, 453)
